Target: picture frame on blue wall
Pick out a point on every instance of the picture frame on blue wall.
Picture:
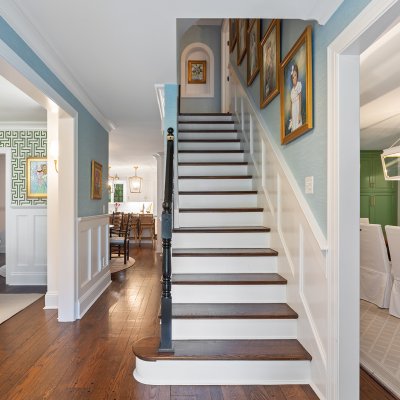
(296, 89)
(232, 33)
(36, 177)
(197, 71)
(253, 53)
(96, 192)
(270, 54)
(243, 25)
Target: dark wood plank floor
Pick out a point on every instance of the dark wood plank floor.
(92, 358)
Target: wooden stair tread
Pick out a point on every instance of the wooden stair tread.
(235, 350)
(228, 279)
(234, 252)
(223, 229)
(205, 122)
(233, 311)
(215, 177)
(210, 163)
(207, 130)
(216, 192)
(211, 151)
(209, 141)
(220, 210)
(228, 114)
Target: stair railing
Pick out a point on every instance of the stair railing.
(166, 232)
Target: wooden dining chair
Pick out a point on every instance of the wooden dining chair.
(393, 238)
(117, 221)
(146, 224)
(118, 243)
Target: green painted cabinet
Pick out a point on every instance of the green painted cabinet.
(378, 197)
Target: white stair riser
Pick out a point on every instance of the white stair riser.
(217, 372)
(210, 157)
(209, 146)
(204, 200)
(212, 170)
(204, 219)
(220, 240)
(204, 118)
(228, 293)
(223, 265)
(206, 127)
(214, 184)
(203, 329)
(208, 135)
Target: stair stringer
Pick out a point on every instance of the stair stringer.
(301, 247)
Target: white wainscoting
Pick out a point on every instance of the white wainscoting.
(93, 261)
(294, 233)
(26, 246)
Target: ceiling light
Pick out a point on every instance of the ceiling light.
(111, 180)
(391, 162)
(135, 182)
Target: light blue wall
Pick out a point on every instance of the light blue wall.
(211, 36)
(92, 137)
(306, 156)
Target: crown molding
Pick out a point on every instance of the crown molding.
(24, 27)
(323, 10)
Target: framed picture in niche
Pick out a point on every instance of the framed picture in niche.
(270, 51)
(96, 192)
(197, 71)
(243, 24)
(296, 89)
(232, 33)
(253, 56)
(36, 177)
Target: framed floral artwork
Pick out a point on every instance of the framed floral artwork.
(270, 54)
(253, 56)
(36, 176)
(232, 33)
(296, 89)
(96, 192)
(243, 24)
(197, 71)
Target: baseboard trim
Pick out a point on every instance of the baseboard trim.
(51, 301)
(89, 298)
(27, 279)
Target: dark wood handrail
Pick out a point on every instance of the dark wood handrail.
(166, 228)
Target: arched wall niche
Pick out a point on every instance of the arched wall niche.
(197, 51)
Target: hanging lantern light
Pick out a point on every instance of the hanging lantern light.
(135, 182)
(111, 180)
(391, 162)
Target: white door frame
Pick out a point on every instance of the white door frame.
(18, 72)
(344, 194)
(7, 153)
(225, 96)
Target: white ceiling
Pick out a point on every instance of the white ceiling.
(111, 53)
(16, 106)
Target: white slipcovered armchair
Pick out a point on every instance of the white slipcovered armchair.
(376, 278)
(393, 237)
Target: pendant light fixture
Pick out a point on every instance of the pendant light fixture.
(391, 162)
(111, 180)
(135, 182)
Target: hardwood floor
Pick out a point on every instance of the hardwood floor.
(41, 358)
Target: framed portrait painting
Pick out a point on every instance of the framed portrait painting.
(296, 89)
(243, 24)
(253, 56)
(197, 71)
(232, 33)
(36, 176)
(96, 192)
(270, 50)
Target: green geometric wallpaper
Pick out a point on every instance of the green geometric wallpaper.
(23, 144)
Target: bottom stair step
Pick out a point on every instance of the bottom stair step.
(222, 362)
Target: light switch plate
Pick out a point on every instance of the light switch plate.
(309, 184)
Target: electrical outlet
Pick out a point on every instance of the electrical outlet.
(309, 184)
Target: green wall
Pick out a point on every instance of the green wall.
(307, 155)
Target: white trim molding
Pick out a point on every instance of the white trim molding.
(344, 193)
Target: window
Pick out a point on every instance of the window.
(118, 193)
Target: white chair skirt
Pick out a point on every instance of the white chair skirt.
(394, 307)
(375, 287)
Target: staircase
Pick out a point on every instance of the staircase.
(231, 323)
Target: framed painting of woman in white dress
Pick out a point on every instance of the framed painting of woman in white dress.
(296, 89)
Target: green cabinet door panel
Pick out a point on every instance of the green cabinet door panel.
(383, 209)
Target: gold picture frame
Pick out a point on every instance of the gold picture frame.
(242, 26)
(253, 53)
(197, 71)
(36, 177)
(270, 55)
(232, 34)
(96, 192)
(296, 89)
